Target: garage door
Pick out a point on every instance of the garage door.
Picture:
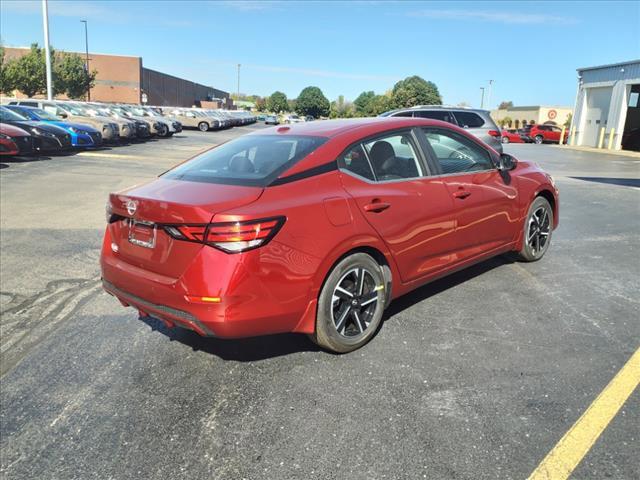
(598, 100)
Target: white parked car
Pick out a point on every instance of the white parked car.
(293, 119)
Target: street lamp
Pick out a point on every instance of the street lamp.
(238, 97)
(482, 98)
(86, 49)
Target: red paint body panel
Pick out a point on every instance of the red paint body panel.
(426, 232)
(513, 136)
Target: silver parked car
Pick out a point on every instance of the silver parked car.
(478, 122)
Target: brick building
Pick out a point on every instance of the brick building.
(124, 79)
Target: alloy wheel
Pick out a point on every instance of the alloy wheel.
(354, 302)
(538, 231)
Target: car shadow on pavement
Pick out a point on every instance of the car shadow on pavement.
(36, 158)
(270, 346)
(241, 350)
(626, 182)
(445, 283)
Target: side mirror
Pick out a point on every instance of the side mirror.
(63, 115)
(507, 162)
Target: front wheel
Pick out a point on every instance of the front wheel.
(538, 228)
(203, 126)
(350, 304)
(505, 139)
(539, 139)
(163, 130)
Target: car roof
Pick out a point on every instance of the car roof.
(356, 127)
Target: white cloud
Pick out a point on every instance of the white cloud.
(513, 18)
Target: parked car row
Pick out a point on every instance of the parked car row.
(207, 119)
(538, 134)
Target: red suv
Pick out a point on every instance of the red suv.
(316, 227)
(547, 134)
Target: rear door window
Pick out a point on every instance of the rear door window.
(356, 162)
(469, 119)
(252, 160)
(443, 115)
(393, 157)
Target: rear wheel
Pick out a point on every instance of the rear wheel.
(350, 305)
(538, 228)
(539, 139)
(203, 126)
(505, 139)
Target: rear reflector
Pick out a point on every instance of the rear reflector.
(231, 237)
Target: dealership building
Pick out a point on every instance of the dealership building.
(608, 107)
(124, 79)
(517, 117)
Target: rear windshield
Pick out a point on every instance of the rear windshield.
(252, 160)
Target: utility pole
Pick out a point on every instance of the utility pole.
(47, 52)
(238, 97)
(86, 66)
(489, 95)
(482, 98)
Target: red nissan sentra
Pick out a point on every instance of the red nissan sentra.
(315, 228)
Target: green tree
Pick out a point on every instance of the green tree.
(312, 101)
(568, 122)
(72, 75)
(340, 108)
(291, 105)
(379, 104)
(261, 104)
(506, 122)
(362, 102)
(277, 102)
(5, 85)
(415, 91)
(28, 73)
(505, 104)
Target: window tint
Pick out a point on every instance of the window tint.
(393, 157)
(355, 161)
(469, 119)
(29, 104)
(252, 160)
(457, 154)
(436, 115)
(403, 114)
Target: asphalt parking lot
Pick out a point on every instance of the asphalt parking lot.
(475, 376)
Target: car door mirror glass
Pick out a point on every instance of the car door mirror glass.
(507, 162)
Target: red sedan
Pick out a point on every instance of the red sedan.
(14, 141)
(315, 228)
(511, 136)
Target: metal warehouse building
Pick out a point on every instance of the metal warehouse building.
(123, 79)
(607, 98)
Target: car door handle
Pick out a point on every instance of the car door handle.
(376, 207)
(462, 194)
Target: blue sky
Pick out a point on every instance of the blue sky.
(530, 49)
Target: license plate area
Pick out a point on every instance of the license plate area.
(142, 233)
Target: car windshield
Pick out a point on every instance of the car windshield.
(7, 115)
(72, 109)
(43, 115)
(253, 160)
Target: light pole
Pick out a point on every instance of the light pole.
(482, 98)
(489, 94)
(47, 52)
(238, 95)
(86, 50)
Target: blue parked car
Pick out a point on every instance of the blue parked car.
(82, 135)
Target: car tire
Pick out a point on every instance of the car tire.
(350, 304)
(537, 230)
(203, 126)
(505, 140)
(163, 131)
(538, 140)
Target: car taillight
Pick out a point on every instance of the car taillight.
(230, 237)
(494, 133)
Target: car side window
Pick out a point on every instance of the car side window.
(443, 115)
(393, 157)
(29, 104)
(403, 114)
(355, 161)
(469, 119)
(457, 154)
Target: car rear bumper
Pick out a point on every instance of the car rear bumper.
(256, 297)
